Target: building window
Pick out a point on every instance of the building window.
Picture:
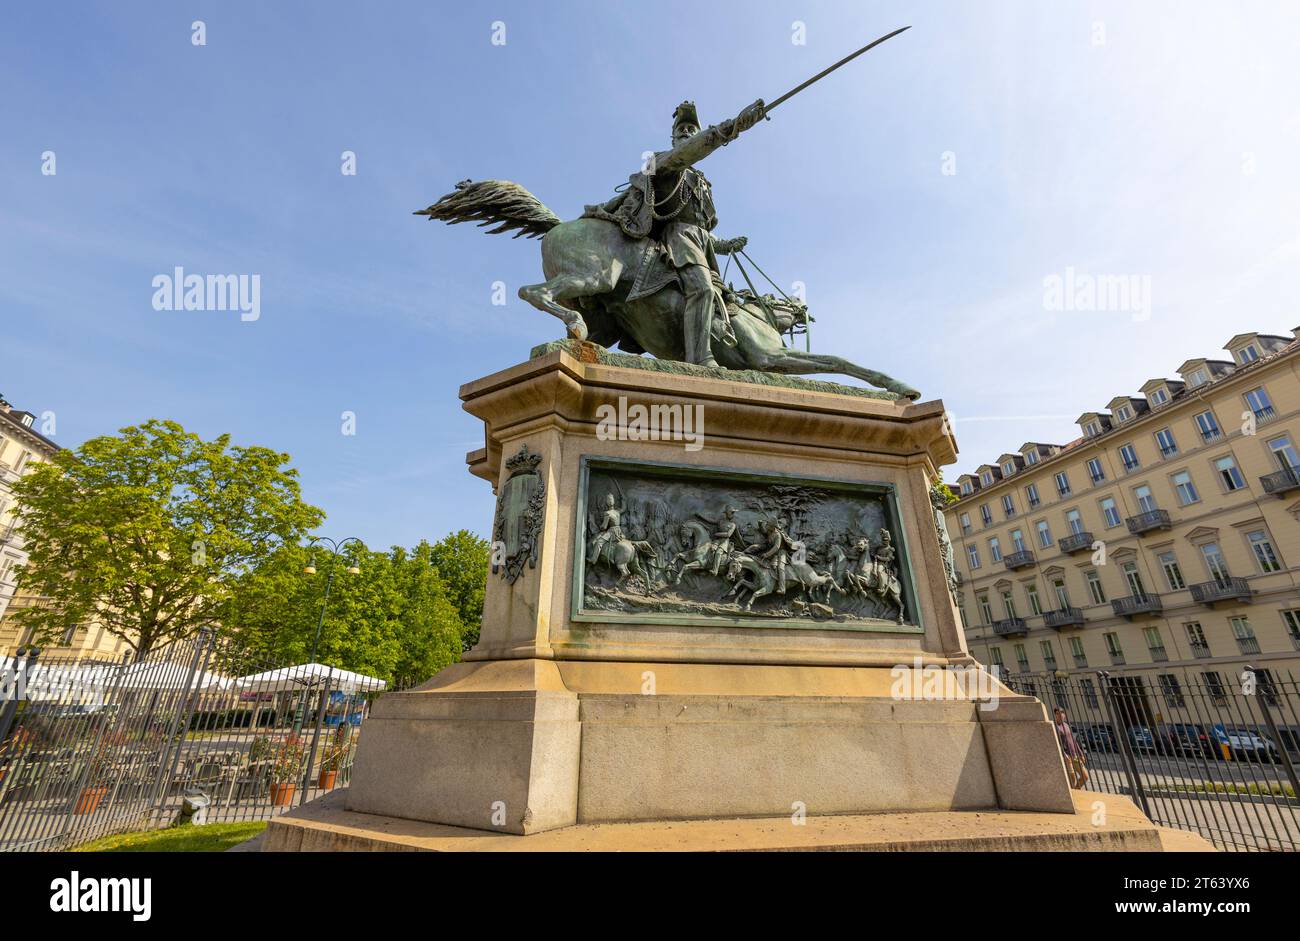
(1044, 534)
(1110, 513)
(1123, 413)
(986, 515)
(1031, 456)
(1134, 580)
(68, 634)
(1145, 501)
(1035, 606)
(1165, 441)
(1022, 658)
(1031, 494)
(986, 478)
(1090, 692)
(1257, 401)
(995, 655)
(1095, 470)
(1265, 557)
(1245, 635)
(1092, 429)
(1159, 397)
(1062, 597)
(1284, 453)
(1077, 652)
(1049, 655)
(1113, 648)
(1196, 639)
(1214, 686)
(1197, 377)
(1171, 690)
(1229, 475)
(1208, 427)
(1247, 354)
(1009, 603)
(1008, 505)
(964, 519)
(1062, 484)
(1173, 574)
(1018, 540)
(1094, 587)
(1215, 564)
(1292, 621)
(986, 609)
(995, 550)
(1074, 522)
(973, 554)
(966, 488)
(1128, 454)
(1008, 468)
(1185, 489)
(1155, 644)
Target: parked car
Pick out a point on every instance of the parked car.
(1189, 739)
(1140, 737)
(1097, 738)
(1246, 745)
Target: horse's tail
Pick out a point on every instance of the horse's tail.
(494, 202)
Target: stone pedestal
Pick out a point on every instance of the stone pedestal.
(588, 701)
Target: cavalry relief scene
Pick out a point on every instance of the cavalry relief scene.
(720, 545)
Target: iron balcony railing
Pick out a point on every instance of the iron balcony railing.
(1280, 482)
(1076, 542)
(1019, 560)
(1151, 519)
(1137, 604)
(1065, 617)
(1222, 589)
(1010, 627)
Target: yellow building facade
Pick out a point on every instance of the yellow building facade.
(1164, 542)
(22, 447)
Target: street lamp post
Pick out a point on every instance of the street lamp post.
(335, 550)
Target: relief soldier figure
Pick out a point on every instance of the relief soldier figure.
(776, 555)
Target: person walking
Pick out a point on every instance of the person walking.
(1075, 759)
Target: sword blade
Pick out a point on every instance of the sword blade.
(822, 74)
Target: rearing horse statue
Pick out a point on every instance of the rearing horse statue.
(591, 266)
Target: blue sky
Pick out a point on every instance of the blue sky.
(1154, 139)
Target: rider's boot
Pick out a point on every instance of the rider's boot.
(697, 318)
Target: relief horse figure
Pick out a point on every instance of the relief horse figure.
(762, 580)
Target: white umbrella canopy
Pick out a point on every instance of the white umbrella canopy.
(309, 675)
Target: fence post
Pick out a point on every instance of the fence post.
(1262, 699)
(10, 711)
(190, 691)
(315, 738)
(1121, 734)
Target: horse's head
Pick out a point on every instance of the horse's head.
(734, 565)
(786, 311)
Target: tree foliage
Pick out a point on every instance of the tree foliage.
(147, 531)
(461, 558)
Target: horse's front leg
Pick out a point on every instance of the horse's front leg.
(796, 363)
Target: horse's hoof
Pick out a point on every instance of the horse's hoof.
(906, 392)
(578, 329)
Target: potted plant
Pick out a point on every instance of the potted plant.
(286, 769)
(333, 759)
(95, 783)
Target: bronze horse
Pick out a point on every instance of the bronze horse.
(590, 267)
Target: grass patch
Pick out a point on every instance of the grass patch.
(1215, 787)
(212, 838)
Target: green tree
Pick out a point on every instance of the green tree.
(461, 558)
(394, 619)
(147, 531)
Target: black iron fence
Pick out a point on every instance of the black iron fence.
(90, 748)
(1212, 753)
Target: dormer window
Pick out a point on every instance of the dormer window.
(1247, 354)
(966, 488)
(1092, 429)
(1198, 377)
(1158, 397)
(986, 478)
(1031, 457)
(1123, 413)
(1008, 468)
